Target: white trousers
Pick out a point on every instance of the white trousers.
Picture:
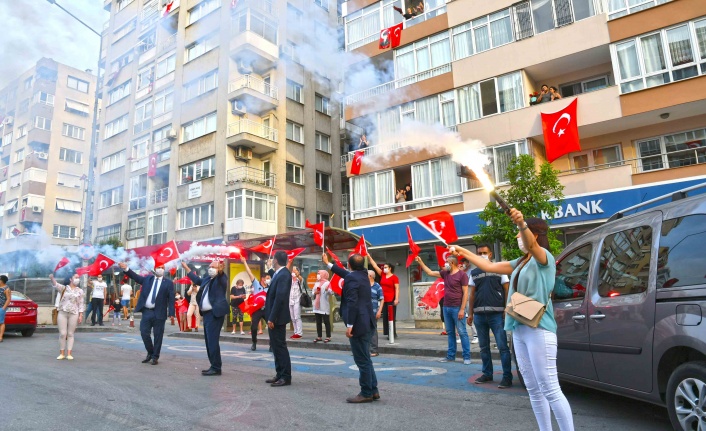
(535, 349)
(67, 326)
(193, 309)
(295, 312)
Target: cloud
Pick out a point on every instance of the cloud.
(33, 29)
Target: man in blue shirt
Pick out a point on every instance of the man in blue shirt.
(377, 298)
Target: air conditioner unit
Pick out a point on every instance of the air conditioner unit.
(238, 108)
(8, 120)
(171, 134)
(243, 153)
(244, 68)
(37, 209)
(43, 156)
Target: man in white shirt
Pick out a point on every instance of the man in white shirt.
(126, 292)
(99, 290)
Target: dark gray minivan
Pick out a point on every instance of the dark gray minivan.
(630, 300)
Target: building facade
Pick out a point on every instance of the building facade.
(212, 129)
(47, 118)
(638, 70)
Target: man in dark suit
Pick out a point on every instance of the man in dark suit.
(357, 313)
(214, 309)
(156, 303)
(277, 315)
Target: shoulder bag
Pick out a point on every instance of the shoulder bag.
(304, 299)
(524, 309)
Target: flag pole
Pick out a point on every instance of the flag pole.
(273, 248)
(436, 235)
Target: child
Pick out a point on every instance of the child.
(182, 308)
(117, 311)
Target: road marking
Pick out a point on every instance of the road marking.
(426, 371)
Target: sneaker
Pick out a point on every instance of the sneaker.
(443, 333)
(458, 341)
(242, 333)
(60, 357)
(446, 360)
(483, 379)
(232, 333)
(295, 336)
(505, 383)
(70, 358)
(466, 362)
(474, 340)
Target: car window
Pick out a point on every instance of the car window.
(572, 274)
(681, 260)
(625, 262)
(18, 296)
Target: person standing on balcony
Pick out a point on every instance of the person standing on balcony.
(363, 144)
(554, 93)
(544, 95)
(408, 192)
(391, 292)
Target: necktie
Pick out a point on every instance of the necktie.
(155, 286)
(205, 292)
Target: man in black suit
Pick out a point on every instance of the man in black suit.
(357, 313)
(156, 303)
(214, 309)
(277, 315)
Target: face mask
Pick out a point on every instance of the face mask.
(159, 272)
(447, 267)
(76, 281)
(386, 270)
(521, 246)
(100, 279)
(485, 256)
(318, 278)
(212, 272)
(267, 282)
(178, 297)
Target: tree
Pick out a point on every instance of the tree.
(113, 241)
(530, 192)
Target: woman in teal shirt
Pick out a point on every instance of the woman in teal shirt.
(535, 348)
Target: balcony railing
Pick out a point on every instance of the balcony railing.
(408, 206)
(247, 174)
(160, 145)
(402, 82)
(345, 199)
(168, 43)
(263, 5)
(634, 163)
(254, 83)
(159, 196)
(248, 126)
(149, 10)
(101, 238)
(136, 233)
(371, 150)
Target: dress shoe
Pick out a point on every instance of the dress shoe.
(205, 371)
(281, 382)
(272, 380)
(212, 372)
(359, 399)
(376, 396)
(154, 361)
(253, 347)
(147, 359)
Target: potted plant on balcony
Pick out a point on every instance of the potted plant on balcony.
(186, 179)
(534, 98)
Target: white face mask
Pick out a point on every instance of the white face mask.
(521, 245)
(178, 297)
(76, 281)
(386, 270)
(159, 272)
(485, 256)
(447, 267)
(318, 278)
(212, 272)
(267, 282)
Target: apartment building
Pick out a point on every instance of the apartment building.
(637, 69)
(47, 118)
(212, 129)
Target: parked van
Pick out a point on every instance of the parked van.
(630, 302)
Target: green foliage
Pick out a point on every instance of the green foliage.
(112, 241)
(530, 192)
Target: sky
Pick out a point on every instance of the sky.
(33, 29)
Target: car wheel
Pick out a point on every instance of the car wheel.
(686, 396)
(514, 359)
(27, 332)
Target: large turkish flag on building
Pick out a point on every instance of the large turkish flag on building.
(357, 162)
(561, 132)
(152, 170)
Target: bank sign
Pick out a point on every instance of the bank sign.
(594, 207)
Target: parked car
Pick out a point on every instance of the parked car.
(630, 302)
(21, 315)
(333, 303)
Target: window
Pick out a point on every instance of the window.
(294, 91)
(435, 178)
(618, 8)
(108, 232)
(322, 104)
(423, 55)
(122, 4)
(44, 98)
(163, 102)
(251, 204)
(295, 132)
(68, 180)
(77, 84)
(678, 265)
(323, 142)
(295, 217)
(325, 218)
(201, 85)
(199, 127)
(19, 155)
(113, 161)
(599, 158)
(364, 25)
(116, 126)
(200, 47)
(660, 58)
(202, 9)
(69, 206)
(371, 191)
(290, 50)
(501, 94)
(625, 262)
(294, 174)
(481, 34)
(140, 151)
(15, 180)
(160, 138)
(73, 131)
(28, 82)
(111, 197)
(294, 15)
(21, 131)
(118, 93)
(76, 108)
(144, 78)
(124, 30)
(7, 139)
(65, 232)
(135, 226)
(201, 215)
(121, 62)
(138, 192)
(198, 171)
(35, 174)
(572, 274)
(323, 181)
(42, 123)
(165, 67)
(322, 3)
(586, 86)
(71, 156)
(147, 42)
(157, 226)
(259, 24)
(672, 151)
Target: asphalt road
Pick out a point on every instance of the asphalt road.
(107, 388)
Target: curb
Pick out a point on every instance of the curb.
(55, 330)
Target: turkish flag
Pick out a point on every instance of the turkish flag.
(253, 303)
(561, 132)
(183, 280)
(334, 257)
(441, 254)
(62, 263)
(98, 266)
(361, 248)
(16, 231)
(337, 284)
(357, 162)
(414, 248)
(442, 223)
(265, 247)
(396, 35)
(434, 294)
(167, 8)
(385, 41)
(291, 254)
(166, 253)
(318, 232)
(152, 170)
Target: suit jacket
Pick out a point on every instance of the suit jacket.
(356, 305)
(216, 292)
(277, 302)
(165, 297)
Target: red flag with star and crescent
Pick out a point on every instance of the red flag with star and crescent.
(265, 247)
(167, 253)
(152, 170)
(413, 247)
(318, 232)
(434, 294)
(357, 162)
(361, 248)
(98, 266)
(291, 254)
(334, 257)
(62, 263)
(561, 132)
(253, 302)
(441, 254)
(337, 284)
(442, 223)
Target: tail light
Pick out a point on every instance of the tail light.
(32, 306)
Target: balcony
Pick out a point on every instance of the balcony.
(32, 214)
(261, 138)
(399, 83)
(254, 41)
(243, 176)
(257, 95)
(414, 205)
(159, 196)
(106, 4)
(168, 43)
